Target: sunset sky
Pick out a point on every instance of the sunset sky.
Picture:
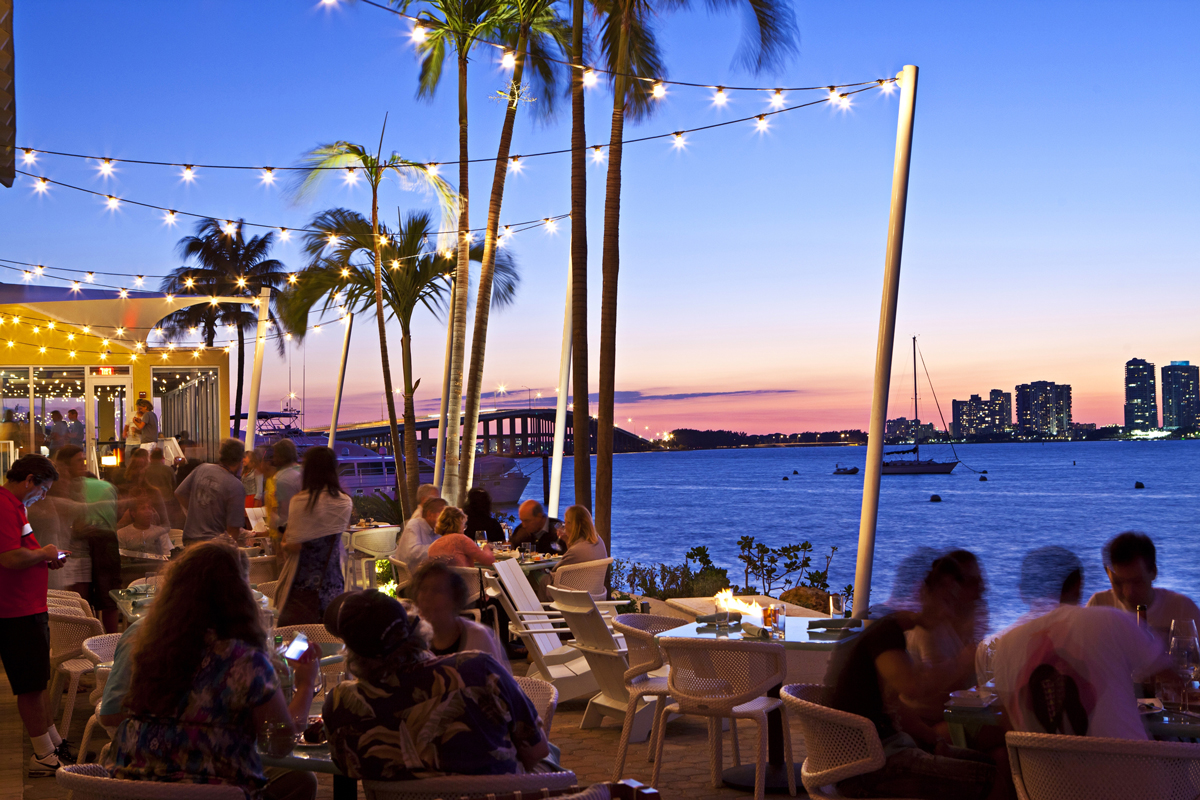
(1052, 229)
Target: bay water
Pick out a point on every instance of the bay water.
(1074, 494)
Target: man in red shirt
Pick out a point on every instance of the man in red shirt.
(24, 623)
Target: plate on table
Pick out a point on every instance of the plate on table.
(316, 726)
(971, 698)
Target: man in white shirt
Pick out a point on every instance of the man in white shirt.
(1131, 563)
(413, 547)
(425, 492)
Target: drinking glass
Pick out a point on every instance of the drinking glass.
(1185, 653)
(779, 621)
(526, 550)
(837, 605)
(481, 539)
(275, 739)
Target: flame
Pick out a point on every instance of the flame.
(725, 600)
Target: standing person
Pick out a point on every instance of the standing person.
(212, 497)
(203, 684)
(317, 517)
(1131, 562)
(24, 622)
(162, 478)
(58, 431)
(453, 547)
(253, 481)
(413, 547)
(289, 478)
(581, 541)
(479, 516)
(441, 595)
(76, 431)
(146, 422)
(133, 435)
(537, 528)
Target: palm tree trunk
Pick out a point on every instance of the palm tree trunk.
(237, 394)
(410, 416)
(483, 300)
(401, 491)
(579, 269)
(610, 266)
(462, 282)
(443, 415)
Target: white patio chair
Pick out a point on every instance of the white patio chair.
(1047, 765)
(645, 657)
(587, 577)
(723, 678)
(319, 635)
(367, 547)
(468, 786)
(99, 650)
(538, 629)
(176, 535)
(401, 575)
(544, 697)
(91, 782)
(67, 635)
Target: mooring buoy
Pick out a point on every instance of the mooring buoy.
(983, 477)
(1139, 485)
(935, 498)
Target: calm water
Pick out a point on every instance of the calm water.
(1074, 494)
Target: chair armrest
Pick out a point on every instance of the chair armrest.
(543, 614)
(601, 650)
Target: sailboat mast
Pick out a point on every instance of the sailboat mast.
(916, 410)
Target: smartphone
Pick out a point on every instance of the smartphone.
(297, 648)
(62, 556)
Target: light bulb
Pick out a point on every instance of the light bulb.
(268, 175)
(29, 156)
(230, 228)
(589, 77)
(241, 282)
(843, 100)
(658, 90)
(418, 33)
(292, 278)
(679, 141)
(432, 169)
(777, 99)
(516, 163)
(120, 331)
(113, 202)
(351, 175)
(41, 185)
(139, 280)
(597, 153)
(887, 85)
(284, 234)
(762, 122)
(106, 167)
(551, 225)
(509, 60)
(90, 277)
(332, 239)
(189, 282)
(345, 273)
(188, 172)
(124, 293)
(169, 218)
(720, 97)
(75, 286)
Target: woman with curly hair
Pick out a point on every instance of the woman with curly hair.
(203, 684)
(453, 547)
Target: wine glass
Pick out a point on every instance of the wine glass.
(1185, 653)
(481, 539)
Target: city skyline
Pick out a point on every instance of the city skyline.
(1004, 183)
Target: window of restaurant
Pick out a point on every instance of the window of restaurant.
(14, 414)
(187, 401)
(60, 408)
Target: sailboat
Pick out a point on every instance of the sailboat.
(915, 466)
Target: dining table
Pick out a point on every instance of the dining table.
(798, 636)
(315, 758)
(529, 566)
(1160, 724)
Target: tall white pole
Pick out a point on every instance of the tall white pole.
(260, 344)
(887, 335)
(560, 412)
(443, 412)
(341, 384)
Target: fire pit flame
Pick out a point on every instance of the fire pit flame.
(725, 600)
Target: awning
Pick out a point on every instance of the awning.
(97, 307)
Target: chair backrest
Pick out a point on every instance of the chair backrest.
(588, 577)
(709, 675)
(521, 597)
(593, 638)
(68, 633)
(467, 786)
(839, 744)
(400, 572)
(102, 648)
(71, 600)
(67, 608)
(376, 542)
(640, 631)
(153, 581)
(1047, 765)
(544, 697)
(91, 782)
(473, 577)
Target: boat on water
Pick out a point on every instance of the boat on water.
(915, 465)
(840, 470)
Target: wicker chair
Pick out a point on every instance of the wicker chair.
(724, 678)
(91, 782)
(268, 589)
(69, 599)
(645, 657)
(99, 650)
(587, 577)
(544, 697)
(67, 608)
(67, 635)
(467, 786)
(152, 581)
(1046, 765)
(319, 635)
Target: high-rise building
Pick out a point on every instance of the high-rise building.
(1141, 410)
(1181, 395)
(1001, 410)
(979, 417)
(1044, 408)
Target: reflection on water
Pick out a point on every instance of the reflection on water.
(1075, 494)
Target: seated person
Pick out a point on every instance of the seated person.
(581, 541)
(479, 516)
(871, 671)
(452, 545)
(1131, 563)
(203, 684)
(412, 715)
(1085, 657)
(144, 534)
(441, 595)
(413, 547)
(537, 528)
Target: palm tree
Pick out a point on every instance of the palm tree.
(629, 46)
(458, 26)
(417, 276)
(225, 265)
(327, 158)
(538, 32)
(579, 265)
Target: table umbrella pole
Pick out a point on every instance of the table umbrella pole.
(260, 344)
(337, 397)
(887, 335)
(560, 412)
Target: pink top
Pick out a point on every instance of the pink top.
(458, 551)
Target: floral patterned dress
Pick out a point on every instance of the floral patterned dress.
(459, 714)
(211, 739)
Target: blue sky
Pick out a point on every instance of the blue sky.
(1051, 226)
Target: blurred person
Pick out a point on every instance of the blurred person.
(1131, 562)
(133, 435)
(906, 584)
(12, 430)
(57, 431)
(253, 479)
(426, 491)
(441, 595)
(580, 539)
(537, 528)
(412, 715)
(162, 478)
(76, 430)
(1068, 669)
(288, 481)
(87, 510)
(453, 547)
(146, 422)
(213, 498)
(24, 622)
(418, 535)
(144, 533)
(967, 627)
(873, 670)
(136, 486)
(203, 684)
(479, 516)
(319, 514)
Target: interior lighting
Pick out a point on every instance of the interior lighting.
(189, 172)
(762, 123)
(106, 167)
(42, 185)
(418, 33)
(113, 202)
(29, 156)
(589, 77)
(597, 154)
(720, 98)
(509, 59)
(658, 90)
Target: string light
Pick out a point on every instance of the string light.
(345, 273)
(887, 85)
(679, 140)
(777, 99)
(42, 185)
(508, 60)
(762, 122)
(292, 278)
(333, 240)
(113, 202)
(169, 218)
(90, 277)
(139, 280)
(720, 97)
(230, 228)
(106, 167)
(658, 90)
(268, 175)
(432, 169)
(589, 77)
(189, 172)
(597, 154)
(418, 33)
(124, 294)
(551, 225)
(28, 156)
(75, 286)
(351, 175)
(843, 100)
(516, 163)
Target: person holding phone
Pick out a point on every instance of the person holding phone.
(24, 621)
